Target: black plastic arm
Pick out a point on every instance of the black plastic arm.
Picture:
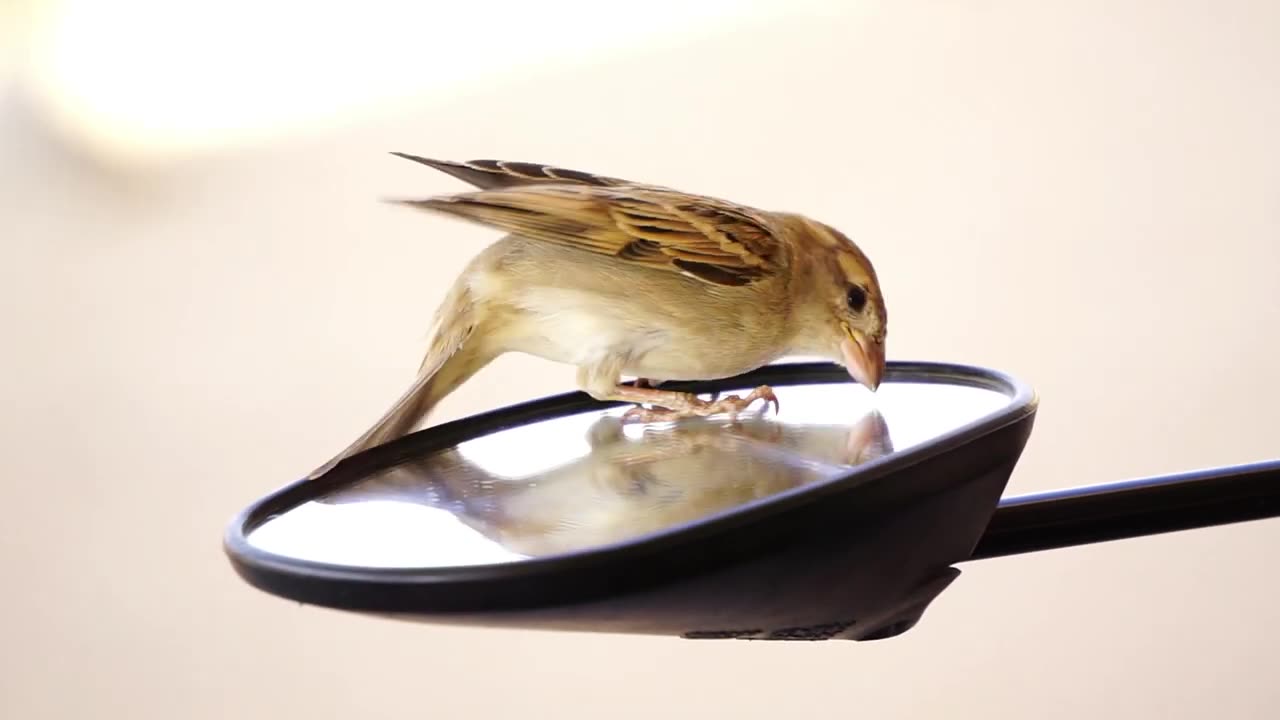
(1098, 513)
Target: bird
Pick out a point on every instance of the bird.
(616, 277)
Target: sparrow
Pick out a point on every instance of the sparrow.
(616, 277)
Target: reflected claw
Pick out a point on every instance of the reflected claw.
(642, 414)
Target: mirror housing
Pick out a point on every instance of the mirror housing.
(856, 549)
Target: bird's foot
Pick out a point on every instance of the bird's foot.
(673, 406)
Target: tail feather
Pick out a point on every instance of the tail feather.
(497, 174)
(450, 362)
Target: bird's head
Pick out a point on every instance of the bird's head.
(844, 303)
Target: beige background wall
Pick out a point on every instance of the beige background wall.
(1084, 194)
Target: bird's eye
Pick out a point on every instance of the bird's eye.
(857, 298)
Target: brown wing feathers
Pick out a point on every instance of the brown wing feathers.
(709, 239)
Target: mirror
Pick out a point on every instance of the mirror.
(584, 481)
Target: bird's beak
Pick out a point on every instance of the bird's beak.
(863, 358)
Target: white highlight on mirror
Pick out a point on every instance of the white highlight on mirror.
(406, 535)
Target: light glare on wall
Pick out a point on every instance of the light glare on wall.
(152, 77)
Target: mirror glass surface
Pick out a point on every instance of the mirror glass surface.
(578, 482)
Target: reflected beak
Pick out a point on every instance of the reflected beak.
(868, 439)
(863, 359)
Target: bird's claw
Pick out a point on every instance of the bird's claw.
(734, 404)
(731, 405)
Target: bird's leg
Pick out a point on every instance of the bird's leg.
(671, 405)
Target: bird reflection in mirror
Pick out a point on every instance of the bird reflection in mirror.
(628, 484)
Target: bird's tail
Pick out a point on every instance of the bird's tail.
(450, 361)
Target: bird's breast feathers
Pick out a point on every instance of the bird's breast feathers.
(582, 328)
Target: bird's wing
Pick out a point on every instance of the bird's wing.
(712, 240)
